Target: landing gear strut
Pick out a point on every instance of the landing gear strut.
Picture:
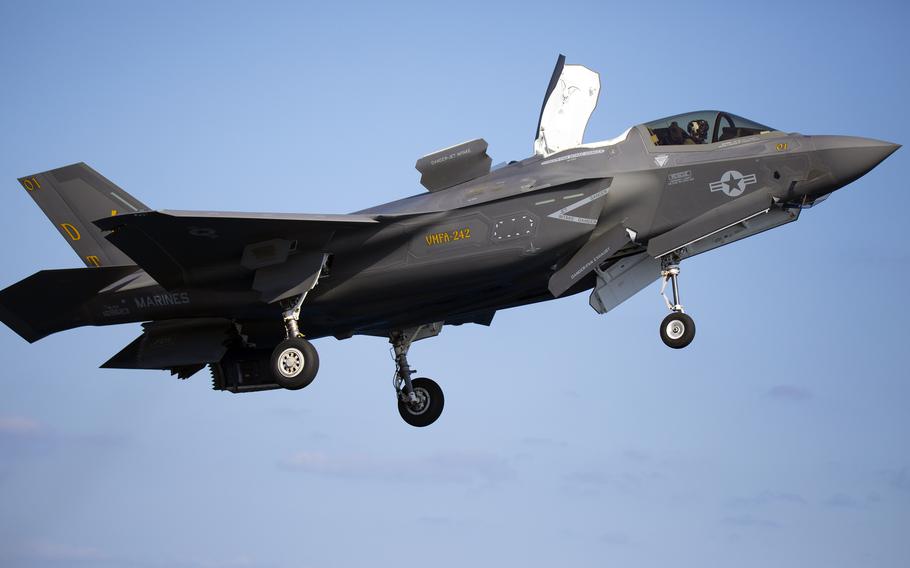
(677, 330)
(420, 400)
(294, 361)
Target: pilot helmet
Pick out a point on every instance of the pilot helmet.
(698, 131)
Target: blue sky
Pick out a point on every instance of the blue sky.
(778, 438)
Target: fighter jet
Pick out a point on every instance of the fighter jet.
(244, 293)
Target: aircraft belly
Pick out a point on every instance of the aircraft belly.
(455, 283)
(442, 271)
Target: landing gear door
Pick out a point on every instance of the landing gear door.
(570, 99)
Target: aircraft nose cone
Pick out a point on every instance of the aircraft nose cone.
(850, 157)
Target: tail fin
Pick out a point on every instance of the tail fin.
(54, 300)
(73, 197)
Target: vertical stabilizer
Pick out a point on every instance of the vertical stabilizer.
(74, 196)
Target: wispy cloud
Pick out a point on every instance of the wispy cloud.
(636, 455)
(543, 442)
(21, 436)
(18, 426)
(749, 521)
(841, 501)
(63, 552)
(448, 467)
(589, 480)
(241, 561)
(900, 479)
(789, 393)
(615, 538)
(436, 520)
(767, 498)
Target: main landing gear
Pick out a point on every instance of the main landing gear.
(678, 329)
(420, 400)
(294, 362)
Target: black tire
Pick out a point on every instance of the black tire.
(432, 402)
(677, 330)
(294, 363)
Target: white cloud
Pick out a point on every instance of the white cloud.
(768, 498)
(57, 551)
(18, 425)
(789, 392)
(841, 501)
(748, 521)
(449, 467)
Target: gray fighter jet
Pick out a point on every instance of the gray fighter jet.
(244, 292)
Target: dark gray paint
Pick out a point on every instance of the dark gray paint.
(453, 255)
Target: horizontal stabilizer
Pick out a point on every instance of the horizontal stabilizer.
(184, 248)
(53, 300)
(452, 166)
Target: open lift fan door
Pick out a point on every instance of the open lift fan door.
(571, 98)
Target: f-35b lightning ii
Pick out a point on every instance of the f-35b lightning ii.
(244, 292)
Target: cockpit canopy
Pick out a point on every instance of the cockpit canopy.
(702, 127)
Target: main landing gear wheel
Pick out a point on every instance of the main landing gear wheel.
(677, 330)
(428, 404)
(420, 401)
(294, 363)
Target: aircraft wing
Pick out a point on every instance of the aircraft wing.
(187, 248)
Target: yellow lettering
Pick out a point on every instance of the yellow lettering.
(31, 183)
(93, 260)
(448, 236)
(72, 231)
(113, 212)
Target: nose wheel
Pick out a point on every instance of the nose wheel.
(677, 330)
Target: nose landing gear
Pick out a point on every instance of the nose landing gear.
(677, 330)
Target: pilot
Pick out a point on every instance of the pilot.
(698, 132)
